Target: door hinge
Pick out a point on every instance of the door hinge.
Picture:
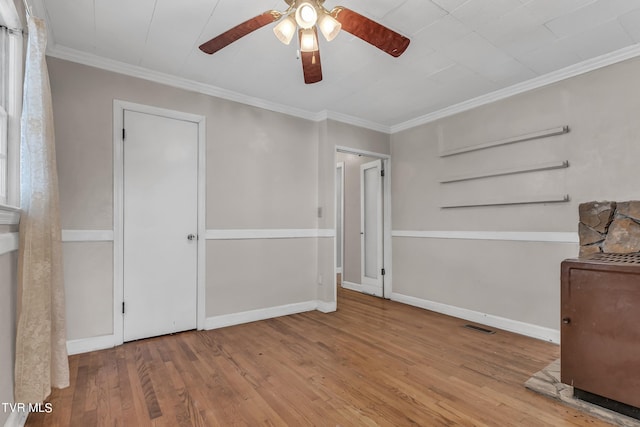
(122, 307)
(383, 272)
(124, 133)
(382, 172)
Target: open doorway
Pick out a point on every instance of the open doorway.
(363, 223)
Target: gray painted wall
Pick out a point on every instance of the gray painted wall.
(514, 280)
(265, 170)
(261, 173)
(8, 284)
(269, 170)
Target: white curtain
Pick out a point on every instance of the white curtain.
(41, 355)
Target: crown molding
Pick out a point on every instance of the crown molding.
(583, 67)
(356, 121)
(73, 55)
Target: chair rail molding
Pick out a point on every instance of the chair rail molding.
(9, 215)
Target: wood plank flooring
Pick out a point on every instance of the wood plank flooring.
(372, 363)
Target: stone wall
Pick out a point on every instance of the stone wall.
(609, 227)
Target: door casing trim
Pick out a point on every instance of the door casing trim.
(119, 107)
(340, 242)
(386, 208)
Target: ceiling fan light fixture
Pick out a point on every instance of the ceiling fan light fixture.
(308, 40)
(303, 16)
(329, 26)
(306, 15)
(286, 29)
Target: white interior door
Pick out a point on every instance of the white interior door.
(371, 234)
(160, 225)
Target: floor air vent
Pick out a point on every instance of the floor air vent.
(479, 329)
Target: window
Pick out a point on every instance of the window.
(3, 156)
(4, 63)
(11, 47)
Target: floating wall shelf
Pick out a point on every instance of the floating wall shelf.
(511, 140)
(527, 201)
(510, 171)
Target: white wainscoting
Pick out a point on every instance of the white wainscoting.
(522, 328)
(8, 242)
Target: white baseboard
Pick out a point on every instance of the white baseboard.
(365, 289)
(85, 345)
(16, 419)
(352, 286)
(327, 307)
(232, 319)
(522, 328)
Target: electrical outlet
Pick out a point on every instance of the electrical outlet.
(319, 279)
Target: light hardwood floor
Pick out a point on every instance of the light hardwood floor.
(373, 362)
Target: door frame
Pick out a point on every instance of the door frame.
(340, 170)
(387, 280)
(119, 107)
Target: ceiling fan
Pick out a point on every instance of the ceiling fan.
(306, 16)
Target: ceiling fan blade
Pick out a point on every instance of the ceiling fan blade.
(370, 31)
(239, 31)
(311, 67)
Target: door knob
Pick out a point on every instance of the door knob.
(191, 237)
(566, 320)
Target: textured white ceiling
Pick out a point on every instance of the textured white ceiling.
(460, 49)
